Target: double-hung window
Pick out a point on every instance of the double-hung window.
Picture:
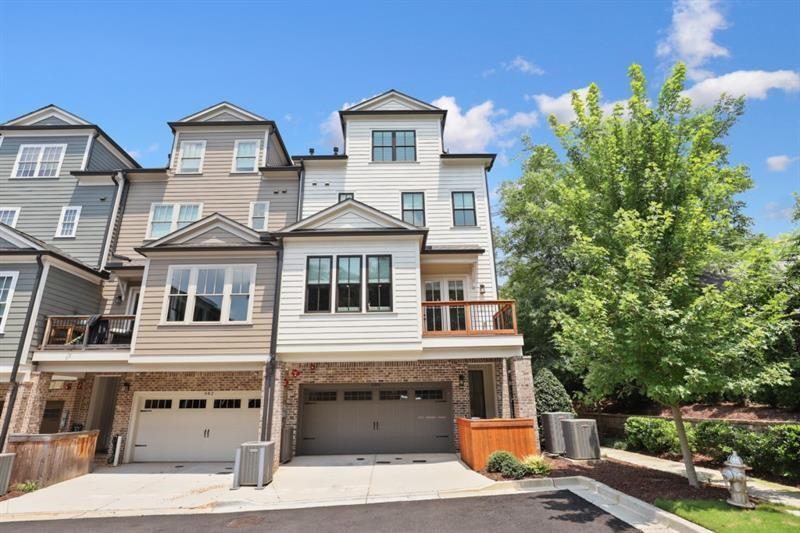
(8, 281)
(414, 208)
(166, 218)
(9, 216)
(191, 157)
(394, 145)
(379, 283)
(259, 213)
(208, 294)
(39, 160)
(348, 284)
(464, 208)
(245, 155)
(318, 284)
(68, 221)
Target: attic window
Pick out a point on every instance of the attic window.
(245, 155)
(394, 146)
(192, 154)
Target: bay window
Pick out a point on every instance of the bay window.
(210, 294)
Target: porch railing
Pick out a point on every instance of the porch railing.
(479, 317)
(81, 332)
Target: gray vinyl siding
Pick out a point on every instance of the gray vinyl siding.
(5, 245)
(51, 121)
(9, 339)
(41, 199)
(65, 294)
(101, 158)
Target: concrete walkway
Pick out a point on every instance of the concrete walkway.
(758, 488)
(173, 488)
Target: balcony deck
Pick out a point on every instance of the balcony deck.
(87, 332)
(466, 318)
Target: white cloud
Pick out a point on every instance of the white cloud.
(748, 83)
(331, 130)
(561, 106)
(488, 72)
(779, 163)
(288, 117)
(474, 129)
(691, 36)
(137, 153)
(521, 64)
(775, 211)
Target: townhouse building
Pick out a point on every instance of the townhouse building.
(55, 221)
(335, 303)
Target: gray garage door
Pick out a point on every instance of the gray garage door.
(352, 419)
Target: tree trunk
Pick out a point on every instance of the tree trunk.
(691, 474)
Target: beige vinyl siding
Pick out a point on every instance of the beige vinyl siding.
(41, 199)
(199, 339)
(229, 195)
(65, 294)
(380, 185)
(15, 322)
(351, 331)
(218, 158)
(274, 155)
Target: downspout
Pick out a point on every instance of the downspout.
(14, 386)
(120, 190)
(268, 400)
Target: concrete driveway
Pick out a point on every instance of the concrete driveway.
(307, 481)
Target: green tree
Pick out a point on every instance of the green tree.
(663, 291)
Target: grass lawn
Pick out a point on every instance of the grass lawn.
(719, 516)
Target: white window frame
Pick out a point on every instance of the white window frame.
(256, 156)
(176, 209)
(266, 214)
(179, 169)
(14, 210)
(226, 295)
(59, 228)
(42, 148)
(14, 276)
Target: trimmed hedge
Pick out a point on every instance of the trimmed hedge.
(776, 451)
(500, 458)
(551, 396)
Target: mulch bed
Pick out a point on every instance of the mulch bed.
(725, 411)
(637, 481)
(11, 494)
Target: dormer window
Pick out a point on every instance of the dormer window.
(39, 160)
(191, 159)
(245, 155)
(394, 146)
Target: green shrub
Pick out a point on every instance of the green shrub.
(498, 459)
(536, 465)
(514, 470)
(619, 445)
(719, 439)
(655, 435)
(27, 486)
(551, 396)
(779, 451)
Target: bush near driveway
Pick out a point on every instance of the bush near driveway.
(655, 435)
(499, 459)
(510, 467)
(719, 516)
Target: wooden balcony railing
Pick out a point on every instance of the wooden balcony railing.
(479, 317)
(81, 332)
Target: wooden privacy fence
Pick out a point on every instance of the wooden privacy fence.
(51, 458)
(480, 437)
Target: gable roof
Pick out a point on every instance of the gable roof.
(351, 218)
(50, 111)
(393, 100)
(23, 244)
(214, 231)
(223, 111)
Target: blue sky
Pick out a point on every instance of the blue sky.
(499, 68)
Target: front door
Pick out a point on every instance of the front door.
(477, 394)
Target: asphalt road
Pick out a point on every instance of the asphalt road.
(543, 512)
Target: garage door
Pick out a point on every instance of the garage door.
(402, 418)
(194, 426)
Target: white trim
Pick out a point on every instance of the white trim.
(75, 271)
(45, 133)
(14, 275)
(266, 214)
(17, 239)
(41, 148)
(15, 218)
(191, 296)
(133, 290)
(113, 219)
(266, 147)
(173, 155)
(176, 209)
(236, 144)
(59, 234)
(88, 149)
(79, 356)
(179, 170)
(220, 108)
(351, 205)
(47, 112)
(138, 320)
(201, 226)
(376, 101)
(37, 302)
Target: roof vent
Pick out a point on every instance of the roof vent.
(310, 151)
(335, 150)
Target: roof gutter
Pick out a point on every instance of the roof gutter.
(14, 385)
(268, 401)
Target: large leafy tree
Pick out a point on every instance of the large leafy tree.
(659, 289)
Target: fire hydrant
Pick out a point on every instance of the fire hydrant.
(735, 473)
